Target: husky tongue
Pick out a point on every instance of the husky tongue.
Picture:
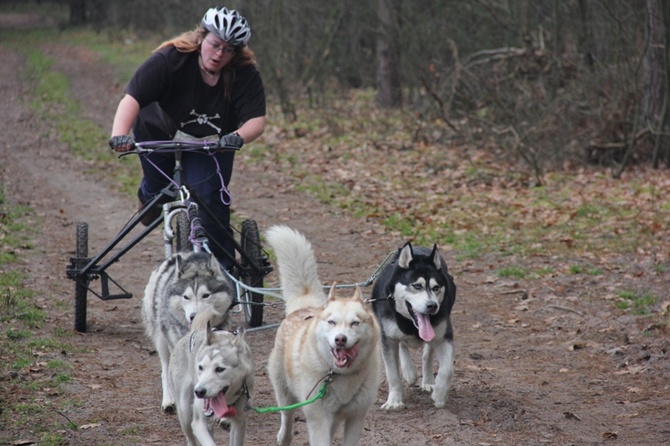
(344, 357)
(426, 331)
(220, 407)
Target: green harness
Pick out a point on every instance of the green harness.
(322, 392)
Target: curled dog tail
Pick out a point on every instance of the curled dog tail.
(297, 268)
(200, 320)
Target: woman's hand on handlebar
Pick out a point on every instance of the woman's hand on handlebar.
(122, 143)
(231, 141)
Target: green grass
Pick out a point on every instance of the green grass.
(26, 342)
(513, 272)
(53, 439)
(639, 304)
(55, 103)
(585, 269)
(576, 269)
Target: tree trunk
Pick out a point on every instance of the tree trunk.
(662, 143)
(77, 12)
(388, 77)
(653, 107)
(585, 33)
(652, 84)
(653, 68)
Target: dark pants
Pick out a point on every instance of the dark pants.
(202, 180)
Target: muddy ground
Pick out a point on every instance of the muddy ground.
(550, 363)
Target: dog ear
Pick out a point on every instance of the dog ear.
(406, 256)
(358, 294)
(215, 266)
(239, 334)
(178, 264)
(437, 258)
(331, 293)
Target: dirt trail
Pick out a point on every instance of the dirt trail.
(532, 367)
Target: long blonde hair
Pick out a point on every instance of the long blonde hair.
(190, 41)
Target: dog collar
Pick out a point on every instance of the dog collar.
(388, 297)
(244, 392)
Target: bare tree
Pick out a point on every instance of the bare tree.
(77, 12)
(653, 66)
(664, 37)
(388, 75)
(550, 79)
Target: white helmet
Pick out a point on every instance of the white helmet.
(228, 24)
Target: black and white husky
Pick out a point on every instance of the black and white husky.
(412, 299)
(181, 287)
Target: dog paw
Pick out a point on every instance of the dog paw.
(224, 424)
(284, 438)
(427, 387)
(440, 401)
(410, 378)
(169, 408)
(393, 405)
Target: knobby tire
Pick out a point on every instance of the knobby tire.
(250, 242)
(81, 281)
(182, 233)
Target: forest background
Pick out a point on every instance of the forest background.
(544, 82)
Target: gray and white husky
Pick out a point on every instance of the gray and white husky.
(412, 298)
(211, 373)
(322, 337)
(182, 286)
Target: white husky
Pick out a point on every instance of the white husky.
(321, 339)
(182, 286)
(212, 375)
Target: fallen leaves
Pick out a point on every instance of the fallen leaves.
(583, 211)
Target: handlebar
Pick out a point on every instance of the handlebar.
(173, 146)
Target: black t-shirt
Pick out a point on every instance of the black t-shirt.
(172, 96)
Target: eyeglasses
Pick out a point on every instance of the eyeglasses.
(224, 49)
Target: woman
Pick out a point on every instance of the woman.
(203, 84)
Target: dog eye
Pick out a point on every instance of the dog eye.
(417, 286)
(200, 368)
(220, 370)
(436, 288)
(355, 323)
(185, 297)
(206, 295)
(331, 322)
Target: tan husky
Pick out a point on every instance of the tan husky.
(321, 339)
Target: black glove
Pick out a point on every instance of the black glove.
(231, 141)
(122, 142)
